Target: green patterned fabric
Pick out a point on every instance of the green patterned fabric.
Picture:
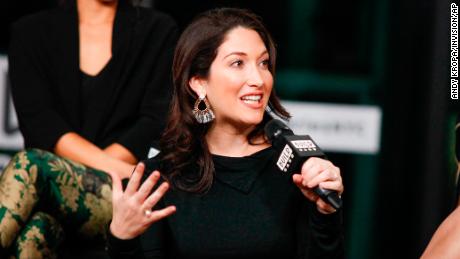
(42, 196)
(40, 238)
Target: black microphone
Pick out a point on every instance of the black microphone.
(294, 150)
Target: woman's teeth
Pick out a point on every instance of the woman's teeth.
(251, 98)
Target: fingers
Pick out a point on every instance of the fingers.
(156, 196)
(330, 174)
(309, 193)
(133, 210)
(163, 213)
(312, 162)
(135, 179)
(316, 170)
(312, 167)
(332, 185)
(117, 186)
(297, 178)
(319, 172)
(324, 208)
(147, 186)
(152, 200)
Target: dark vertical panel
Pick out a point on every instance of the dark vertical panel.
(414, 182)
(437, 183)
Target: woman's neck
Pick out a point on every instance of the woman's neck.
(96, 12)
(229, 141)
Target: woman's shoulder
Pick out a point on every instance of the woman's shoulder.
(154, 17)
(36, 22)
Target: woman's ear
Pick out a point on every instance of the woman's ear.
(198, 85)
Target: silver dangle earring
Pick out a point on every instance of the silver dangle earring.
(202, 116)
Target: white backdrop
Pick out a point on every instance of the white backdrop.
(338, 127)
(10, 137)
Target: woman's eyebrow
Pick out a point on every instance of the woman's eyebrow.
(236, 53)
(240, 53)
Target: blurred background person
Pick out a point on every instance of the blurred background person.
(91, 84)
(444, 243)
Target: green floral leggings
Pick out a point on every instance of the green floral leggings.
(42, 196)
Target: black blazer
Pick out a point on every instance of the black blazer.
(131, 99)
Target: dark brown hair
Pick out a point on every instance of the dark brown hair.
(186, 160)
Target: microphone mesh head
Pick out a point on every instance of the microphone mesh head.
(275, 128)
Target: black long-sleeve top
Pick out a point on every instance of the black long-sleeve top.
(128, 102)
(251, 211)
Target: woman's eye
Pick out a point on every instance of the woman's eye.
(237, 63)
(265, 63)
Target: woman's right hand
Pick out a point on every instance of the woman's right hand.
(132, 209)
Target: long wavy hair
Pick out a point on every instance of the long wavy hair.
(186, 160)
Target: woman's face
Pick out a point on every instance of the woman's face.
(239, 83)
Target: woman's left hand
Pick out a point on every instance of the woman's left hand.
(319, 172)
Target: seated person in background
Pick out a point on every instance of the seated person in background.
(227, 199)
(91, 84)
(444, 243)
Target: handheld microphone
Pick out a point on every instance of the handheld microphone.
(294, 150)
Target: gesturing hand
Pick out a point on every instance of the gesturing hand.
(319, 172)
(132, 213)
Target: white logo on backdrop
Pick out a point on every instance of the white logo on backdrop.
(338, 127)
